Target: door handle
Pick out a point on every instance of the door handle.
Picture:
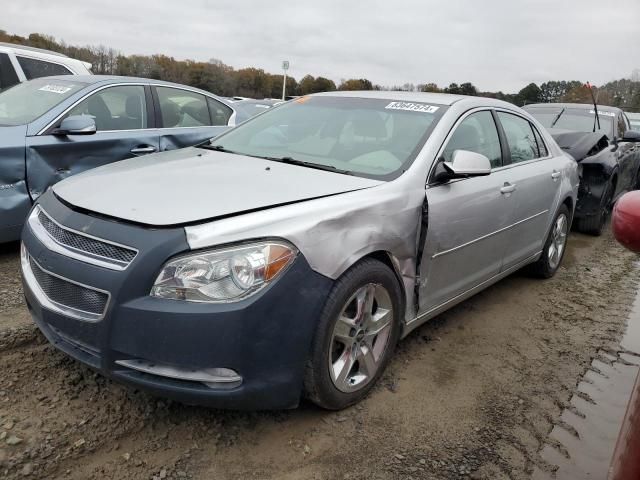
(508, 188)
(142, 150)
(555, 175)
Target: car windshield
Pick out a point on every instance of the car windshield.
(25, 102)
(577, 120)
(374, 138)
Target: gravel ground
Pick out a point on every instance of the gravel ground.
(472, 394)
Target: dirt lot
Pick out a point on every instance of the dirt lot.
(473, 394)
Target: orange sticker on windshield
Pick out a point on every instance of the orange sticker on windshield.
(304, 99)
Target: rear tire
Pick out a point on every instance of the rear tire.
(357, 333)
(594, 225)
(555, 246)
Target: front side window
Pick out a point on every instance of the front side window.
(520, 137)
(369, 137)
(115, 108)
(23, 103)
(33, 68)
(182, 108)
(8, 76)
(476, 133)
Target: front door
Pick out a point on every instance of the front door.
(122, 120)
(468, 218)
(188, 118)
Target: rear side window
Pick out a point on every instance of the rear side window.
(33, 68)
(182, 108)
(115, 108)
(476, 133)
(220, 113)
(8, 76)
(542, 148)
(520, 137)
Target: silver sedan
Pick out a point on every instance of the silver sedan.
(288, 256)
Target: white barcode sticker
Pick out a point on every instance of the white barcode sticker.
(412, 107)
(55, 88)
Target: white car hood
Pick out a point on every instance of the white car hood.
(193, 184)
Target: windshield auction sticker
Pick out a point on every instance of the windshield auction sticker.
(55, 89)
(412, 107)
(608, 114)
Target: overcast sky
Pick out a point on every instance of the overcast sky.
(495, 44)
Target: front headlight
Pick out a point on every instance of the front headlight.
(223, 275)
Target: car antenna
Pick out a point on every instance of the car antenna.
(595, 107)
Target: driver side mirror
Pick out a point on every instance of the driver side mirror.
(631, 136)
(76, 125)
(463, 164)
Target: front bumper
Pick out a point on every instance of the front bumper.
(265, 339)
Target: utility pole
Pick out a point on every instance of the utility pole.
(285, 67)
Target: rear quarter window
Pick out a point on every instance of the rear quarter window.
(33, 68)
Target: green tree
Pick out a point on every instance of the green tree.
(529, 94)
(356, 84)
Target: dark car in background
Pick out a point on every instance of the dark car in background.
(605, 146)
(54, 127)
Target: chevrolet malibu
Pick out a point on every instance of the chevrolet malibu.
(286, 258)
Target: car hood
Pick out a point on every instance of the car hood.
(580, 144)
(193, 184)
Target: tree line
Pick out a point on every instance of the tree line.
(221, 79)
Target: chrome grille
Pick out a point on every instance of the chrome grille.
(68, 294)
(85, 244)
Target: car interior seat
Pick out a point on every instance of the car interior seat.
(133, 112)
(170, 114)
(97, 108)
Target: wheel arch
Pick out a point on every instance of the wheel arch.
(388, 259)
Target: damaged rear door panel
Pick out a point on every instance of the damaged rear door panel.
(14, 197)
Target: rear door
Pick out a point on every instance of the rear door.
(468, 218)
(536, 178)
(187, 117)
(124, 121)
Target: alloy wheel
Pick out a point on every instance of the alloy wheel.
(360, 338)
(558, 240)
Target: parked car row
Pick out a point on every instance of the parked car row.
(249, 267)
(287, 256)
(54, 127)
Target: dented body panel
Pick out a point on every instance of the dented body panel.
(609, 165)
(14, 197)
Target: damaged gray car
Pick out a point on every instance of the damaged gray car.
(287, 257)
(54, 127)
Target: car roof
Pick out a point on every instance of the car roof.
(423, 97)
(577, 106)
(114, 79)
(15, 46)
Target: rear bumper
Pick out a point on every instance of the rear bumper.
(264, 339)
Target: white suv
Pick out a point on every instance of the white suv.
(19, 63)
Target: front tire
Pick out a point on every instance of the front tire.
(555, 246)
(356, 336)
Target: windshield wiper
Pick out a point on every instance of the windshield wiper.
(555, 120)
(302, 163)
(217, 148)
